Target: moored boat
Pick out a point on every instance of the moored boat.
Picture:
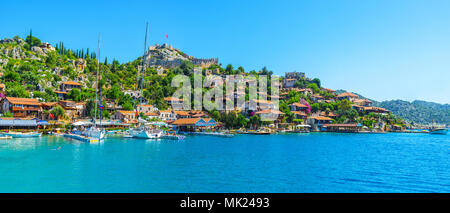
(23, 134)
(145, 133)
(94, 132)
(173, 137)
(439, 131)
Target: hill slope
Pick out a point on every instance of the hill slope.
(419, 111)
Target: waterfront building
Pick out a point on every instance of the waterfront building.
(146, 108)
(167, 115)
(133, 94)
(69, 85)
(376, 110)
(305, 91)
(289, 82)
(21, 107)
(329, 114)
(299, 115)
(328, 90)
(182, 114)
(352, 127)
(176, 103)
(194, 124)
(270, 115)
(262, 104)
(316, 122)
(198, 114)
(151, 115)
(61, 94)
(298, 107)
(347, 95)
(18, 123)
(362, 102)
(358, 108)
(112, 107)
(317, 98)
(125, 116)
(70, 108)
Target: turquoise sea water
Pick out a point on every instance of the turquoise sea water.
(315, 162)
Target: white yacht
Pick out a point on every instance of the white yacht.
(146, 133)
(94, 132)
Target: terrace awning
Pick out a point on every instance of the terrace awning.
(8, 122)
(42, 122)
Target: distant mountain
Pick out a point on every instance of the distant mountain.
(419, 111)
(422, 112)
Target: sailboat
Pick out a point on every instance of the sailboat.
(94, 131)
(142, 131)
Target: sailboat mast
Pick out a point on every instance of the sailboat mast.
(96, 86)
(142, 72)
(99, 76)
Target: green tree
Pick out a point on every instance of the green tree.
(242, 121)
(315, 107)
(57, 111)
(316, 81)
(32, 41)
(17, 90)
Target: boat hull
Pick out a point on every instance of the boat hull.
(23, 135)
(145, 134)
(439, 131)
(93, 133)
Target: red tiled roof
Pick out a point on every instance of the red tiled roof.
(126, 112)
(347, 94)
(172, 99)
(322, 118)
(151, 114)
(299, 105)
(269, 111)
(23, 101)
(72, 83)
(182, 113)
(262, 101)
(328, 90)
(186, 121)
(299, 113)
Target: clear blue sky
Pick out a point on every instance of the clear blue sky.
(384, 50)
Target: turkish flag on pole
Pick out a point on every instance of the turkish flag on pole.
(167, 35)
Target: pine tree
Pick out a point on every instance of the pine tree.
(31, 38)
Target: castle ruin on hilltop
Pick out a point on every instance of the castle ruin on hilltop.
(168, 57)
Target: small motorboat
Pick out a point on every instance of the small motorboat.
(23, 134)
(5, 137)
(439, 131)
(145, 133)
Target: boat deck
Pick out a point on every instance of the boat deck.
(81, 138)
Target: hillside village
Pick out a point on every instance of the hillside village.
(53, 84)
